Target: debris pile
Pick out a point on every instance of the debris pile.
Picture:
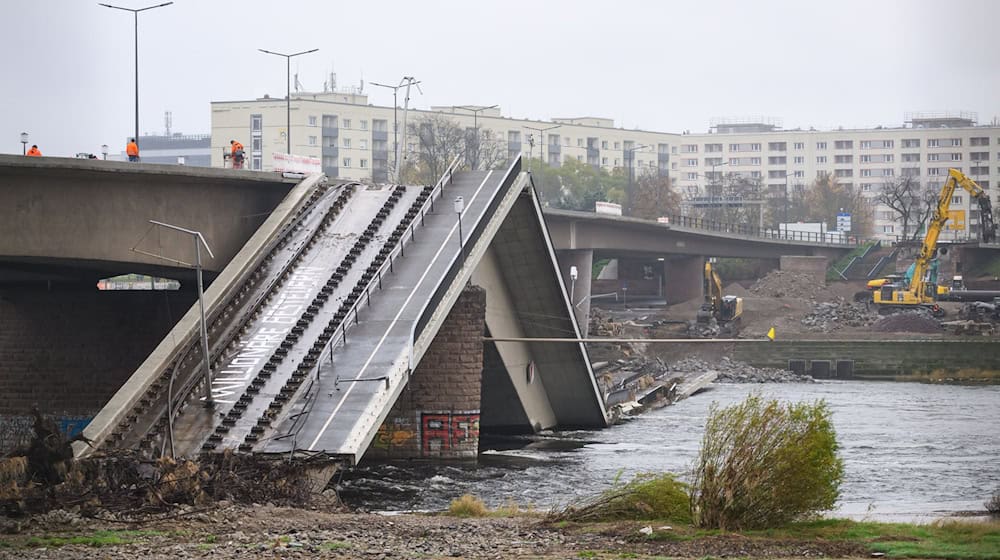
(786, 284)
(827, 317)
(916, 321)
(732, 371)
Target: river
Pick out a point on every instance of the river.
(910, 451)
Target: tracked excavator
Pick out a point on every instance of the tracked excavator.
(921, 290)
(724, 311)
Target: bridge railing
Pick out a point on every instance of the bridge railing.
(830, 237)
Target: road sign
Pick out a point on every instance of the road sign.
(843, 221)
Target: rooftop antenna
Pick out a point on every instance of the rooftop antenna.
(361, 89)
(168, 120)
(298, 84)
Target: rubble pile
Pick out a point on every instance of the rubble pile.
(731, 371)
(786, 284)
(917, 321)
(830, 316)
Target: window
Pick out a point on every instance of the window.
(777, 146)
(710, 161)
(691, 162)
(312, 120)
(957, 199)
(980, 141)
(866, 187)
(820, 159)
(380, 126)
(256, 143)
(933, 157)
(514, 137)
(689, 148)
(347, 143)
(843, 145)
(364, 126)
(363, 143)
(747, 147)
(800, 173)
(820, 145)
(933, 170)
(956, 157)
(755, 174)
(932, 143)
(256, 122)
(981, 170)
(843, 173)
(776, 174)
(888, 229)
(866, 172)
(604, 144)
(692, 176)
(346, 123)
(257, 163)
(876, 144)
(347, 162)
(713, 148)
(579, 142)
(604, 161)
(911, 143)
(911, 158)
(799, 159)
(885, 214)
(845, 159)
(618, 145)
(776, 160)
(911, 172)
(312, 140)
(979, 156)
(799, 146)
(364, 164)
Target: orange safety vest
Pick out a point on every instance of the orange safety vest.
(34, 152)
(132, 149)
(237, 147)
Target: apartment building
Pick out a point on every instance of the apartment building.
(355, 140)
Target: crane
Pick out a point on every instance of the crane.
(921, 289)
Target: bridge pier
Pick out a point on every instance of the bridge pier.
(682, 278)
(580, 289)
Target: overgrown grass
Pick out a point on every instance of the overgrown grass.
(97, 539)
(841, 264)
(468, 506)
(658, 497)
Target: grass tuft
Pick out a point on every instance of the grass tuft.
(647, 497)
(468, 506)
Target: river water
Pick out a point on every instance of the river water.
(910, 451)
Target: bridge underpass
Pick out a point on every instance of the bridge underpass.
(320, 324)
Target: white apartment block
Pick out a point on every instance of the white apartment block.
(354, 140)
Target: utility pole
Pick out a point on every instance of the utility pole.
(410, 81)
(395, 122)
(288, 95)
(629, 156)
(541, 142)
(474, 164)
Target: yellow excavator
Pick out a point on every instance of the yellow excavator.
(725, 310)
(921, 290)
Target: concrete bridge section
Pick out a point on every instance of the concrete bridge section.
(678, 250)
(74, 220)
(398, 368)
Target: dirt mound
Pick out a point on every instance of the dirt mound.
(910, 321)
(785, 284)
(827, 316)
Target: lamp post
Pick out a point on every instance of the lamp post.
(629, 155)
(395, 121)
(24, 143)
(475, 126)
(541, 142)
(288, 94)
(785, 219)
(104, 151)
(714, 176)
(135, 14)
(459, 208)
(573, 275)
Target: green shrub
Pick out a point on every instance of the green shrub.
(763, 464)
(646, 497)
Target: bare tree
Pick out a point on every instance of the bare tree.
(826, 197)
(441, 139)
(911, 202)
(735, 200)
(654, 196)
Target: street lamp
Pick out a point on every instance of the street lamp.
(475, 110)
(395, 120)
(629, 156)
(541, 142)
(288, 94)
(135, 14)
(24, 143)
(573, 275)
(104, 151)
(714, 176)
(459, 208)
(786, 196)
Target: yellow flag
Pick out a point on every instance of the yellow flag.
(770, 333)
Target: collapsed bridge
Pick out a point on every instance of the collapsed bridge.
(356, 314)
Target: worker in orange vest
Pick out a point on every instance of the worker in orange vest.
(34, 151)
(237, 153)
(132, 150)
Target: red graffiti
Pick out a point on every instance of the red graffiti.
(445, 430)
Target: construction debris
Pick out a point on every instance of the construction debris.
(830, 316)
(732, 371)
(786, 284)
(917, 321)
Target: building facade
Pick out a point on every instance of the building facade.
(183, 149)
(355, 140)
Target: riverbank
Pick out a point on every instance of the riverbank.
(232, 531)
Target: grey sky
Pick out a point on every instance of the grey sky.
(669, 66)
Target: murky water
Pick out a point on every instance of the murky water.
(909, 450)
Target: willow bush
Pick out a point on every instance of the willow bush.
(763, 464)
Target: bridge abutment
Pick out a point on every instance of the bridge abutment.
(682, 278)
(437, 414)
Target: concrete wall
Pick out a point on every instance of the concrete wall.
(68, 351)
(437, 414)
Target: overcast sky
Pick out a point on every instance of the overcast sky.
(657, 65)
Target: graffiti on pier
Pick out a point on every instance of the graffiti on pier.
(394, 433)
(445, 431)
